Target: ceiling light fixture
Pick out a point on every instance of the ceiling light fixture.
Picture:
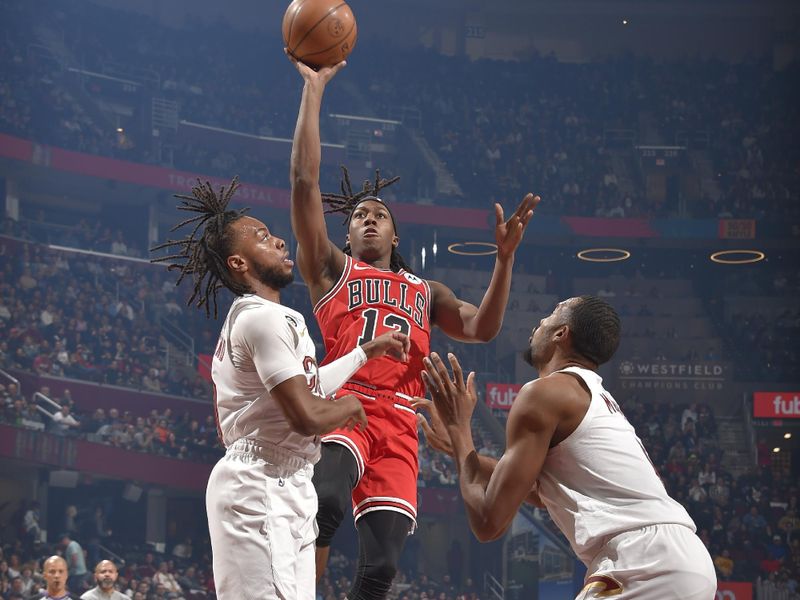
(728, 257)
(603, 254)
(471, 248)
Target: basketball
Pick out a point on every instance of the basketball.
(319, 33)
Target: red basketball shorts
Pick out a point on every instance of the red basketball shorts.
(386, 452)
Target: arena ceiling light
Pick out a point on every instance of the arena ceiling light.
(604, 254)
(473, 248)
(737, 257)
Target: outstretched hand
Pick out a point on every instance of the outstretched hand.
(435, 432)
(454, 400)
(320, 77)
(392, 343)
(508, 234)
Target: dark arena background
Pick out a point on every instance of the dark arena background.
(661, 135)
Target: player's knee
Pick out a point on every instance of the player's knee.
(334, 478)
(375, 579)
(381, 570)
(333, 502)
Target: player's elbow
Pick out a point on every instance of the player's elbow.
(302, 176)
(483, 333)
(489, 530)
(489, 534)
(487, 336)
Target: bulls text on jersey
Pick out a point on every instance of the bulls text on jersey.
(372, 291)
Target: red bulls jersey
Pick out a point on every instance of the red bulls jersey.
(366, 302)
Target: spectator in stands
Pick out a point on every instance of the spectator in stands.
(94, 423)
(76, 562)
(190, 582)
(161, 434)
(707, 476)
(63, 422)
(105, 575)
(724, 564)
(71, 519)
(30, 523)
(164, 578)
(789, 523)
(151, 382)
(28, 583)
(143, 440)
(97, 532)
(118, 246)
(183, 551)
(697, 493)
(12, 393)
(754, 522)
(148, 567)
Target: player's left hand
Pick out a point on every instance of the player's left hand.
(392, 343)
(454, 400)
(508, 234)
(435, 432)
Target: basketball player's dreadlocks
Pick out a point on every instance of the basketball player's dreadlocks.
(347, 201)
(204, 256)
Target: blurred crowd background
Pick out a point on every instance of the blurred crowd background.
(105, 111)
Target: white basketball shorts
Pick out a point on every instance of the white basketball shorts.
(262, 510)
(659, 562)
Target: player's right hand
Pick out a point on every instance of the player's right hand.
(357, 418)
(321, 77)
(393, 343)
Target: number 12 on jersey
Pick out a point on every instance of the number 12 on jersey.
(390, 321)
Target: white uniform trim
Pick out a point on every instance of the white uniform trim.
(334, 438)
(405, 408)
(385, 499)
(348, 265)
(396, 509)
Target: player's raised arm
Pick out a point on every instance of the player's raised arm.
(436, 437)
(319, 260)
(492, 501)
(467, 322)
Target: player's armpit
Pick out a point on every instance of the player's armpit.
(533, 497)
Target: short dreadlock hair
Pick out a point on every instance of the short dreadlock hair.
(204, 256)
(347, 202)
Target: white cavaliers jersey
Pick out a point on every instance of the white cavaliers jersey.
(262, 344)
(599, 481)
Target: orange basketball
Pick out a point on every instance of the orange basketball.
(319, 33)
